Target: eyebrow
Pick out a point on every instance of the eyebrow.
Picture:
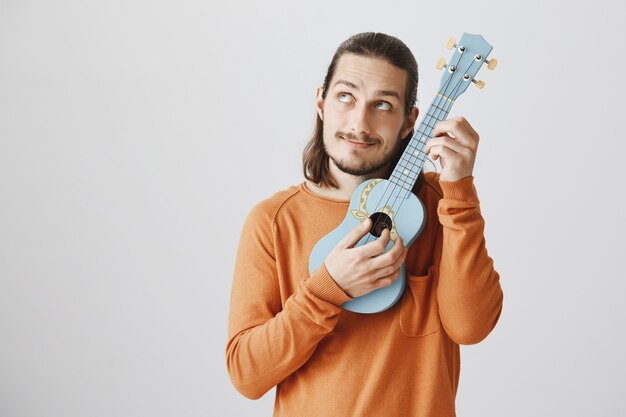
(377, 93)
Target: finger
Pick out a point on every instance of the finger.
(375, 247)
(455, 125)
(390, 257)
(384, 281)
(444, 152)
(356, 234)
(468, 126)
(460, 129)
(448, 142)
(388, 279)
(394, 267)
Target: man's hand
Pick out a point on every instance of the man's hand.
(455, 142)
(365, 268)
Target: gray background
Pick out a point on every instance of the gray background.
(135, 136)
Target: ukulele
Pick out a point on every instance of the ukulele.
(390, 203)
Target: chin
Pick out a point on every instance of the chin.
(358, 170)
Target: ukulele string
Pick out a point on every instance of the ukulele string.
(394, 187)
(437, 105)
(402, 192)
(446, 108)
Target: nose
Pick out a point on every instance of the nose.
(359, 120)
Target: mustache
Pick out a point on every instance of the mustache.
(355, 137)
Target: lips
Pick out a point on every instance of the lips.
(358, 143)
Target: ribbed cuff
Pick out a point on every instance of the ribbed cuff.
(462, 189)
(323, 286)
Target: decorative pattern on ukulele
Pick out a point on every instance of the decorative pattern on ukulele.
(362, 213)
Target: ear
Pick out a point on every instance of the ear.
(409, 122)
(319, 103)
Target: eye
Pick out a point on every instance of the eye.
(345, 97)
(383, 105)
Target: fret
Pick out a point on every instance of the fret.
(410, 166)
(423, 127)
(409, 176)
(404, 184)
(418, 139)
(439, 108)
(399, 181)
(405, 188)
(426, 124)
(420, 156)
(424, 136)
(413, 148)
(433, 116)
(435, 108)
(417, 166)
(413, 159)
(408, 169)
(412, 176)
(443, 109)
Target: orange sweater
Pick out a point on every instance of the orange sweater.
(286, 328)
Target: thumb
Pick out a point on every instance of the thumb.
(353, 237)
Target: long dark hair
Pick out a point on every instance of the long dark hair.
(368, 44)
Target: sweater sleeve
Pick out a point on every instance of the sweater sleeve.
(468, 289)
(268, 341)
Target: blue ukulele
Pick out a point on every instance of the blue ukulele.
(390, 203)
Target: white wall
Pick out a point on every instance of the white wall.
(136, 135)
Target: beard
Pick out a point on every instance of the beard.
(367, 167)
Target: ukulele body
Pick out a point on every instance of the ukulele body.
(389, 206)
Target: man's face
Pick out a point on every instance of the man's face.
(363, 114)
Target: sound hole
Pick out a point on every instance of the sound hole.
(380, 222)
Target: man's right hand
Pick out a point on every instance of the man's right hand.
(365, 268)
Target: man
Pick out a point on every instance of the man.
(286, 326)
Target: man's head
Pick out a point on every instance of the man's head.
(365, 108)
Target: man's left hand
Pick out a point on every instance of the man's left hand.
(455, 142)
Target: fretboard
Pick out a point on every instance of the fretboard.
(412, 160)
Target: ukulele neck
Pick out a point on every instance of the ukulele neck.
(412, 160)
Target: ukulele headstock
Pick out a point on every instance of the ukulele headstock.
(469, 55)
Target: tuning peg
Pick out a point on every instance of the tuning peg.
(451, 43)
(491, 64)
(479, 84)
(441, 63)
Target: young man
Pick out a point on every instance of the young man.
(287, 328)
